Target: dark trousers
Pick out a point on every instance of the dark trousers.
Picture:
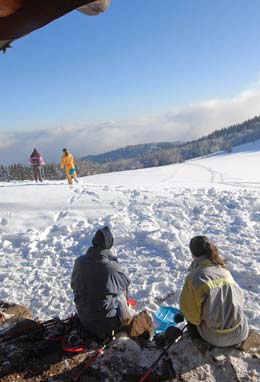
(193, 331)
(37, 173)
(97, 325)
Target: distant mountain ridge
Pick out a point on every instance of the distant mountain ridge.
(147, 155)
(131, 151)
(163, 153)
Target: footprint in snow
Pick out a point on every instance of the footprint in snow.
(71, 200)
(4, 221)
(91, 193)
(60, 215)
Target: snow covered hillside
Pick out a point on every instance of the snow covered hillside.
(153, 213)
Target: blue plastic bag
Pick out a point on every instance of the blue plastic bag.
(164, 318)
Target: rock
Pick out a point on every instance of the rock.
(86, 378)
(37, 358)
(220, 358)
(252, 341)
(6, 366)
(217, 355)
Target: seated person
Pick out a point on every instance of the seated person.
(211, 301)
(97, 280)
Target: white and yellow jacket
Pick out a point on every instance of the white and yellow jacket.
(212, 301)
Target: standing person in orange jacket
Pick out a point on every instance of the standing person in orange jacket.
(67, 162)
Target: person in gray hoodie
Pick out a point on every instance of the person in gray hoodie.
(97, 280)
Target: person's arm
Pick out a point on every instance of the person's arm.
(191, 301)
(74, 276)
(77, 282)
(41, 160)
(118, 282)
(72, 161)
(62, 163)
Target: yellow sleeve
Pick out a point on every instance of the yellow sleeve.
(190, 302)
(71, 161)
(62, 162)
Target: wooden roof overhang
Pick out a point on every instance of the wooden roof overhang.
(20, 17)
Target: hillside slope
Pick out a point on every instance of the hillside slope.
(158, 154)
(153, 213)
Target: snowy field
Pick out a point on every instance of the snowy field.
(153, 214)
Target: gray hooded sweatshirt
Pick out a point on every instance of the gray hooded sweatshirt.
(97, 279)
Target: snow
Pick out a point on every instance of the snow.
(153, 213)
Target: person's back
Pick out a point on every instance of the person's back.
(97, 280)
(35, 161)
(67, 159)
(210, 299)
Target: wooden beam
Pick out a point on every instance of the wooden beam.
(34, 14)
(7, 7)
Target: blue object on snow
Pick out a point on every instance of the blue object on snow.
(164, 318)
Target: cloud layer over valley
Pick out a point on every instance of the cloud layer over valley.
(189, 122)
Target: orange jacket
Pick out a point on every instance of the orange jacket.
(67, 161)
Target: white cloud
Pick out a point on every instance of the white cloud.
(190, 122)
(6, 140)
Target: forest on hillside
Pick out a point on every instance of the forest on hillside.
(148, 155)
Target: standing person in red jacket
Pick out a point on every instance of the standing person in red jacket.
(36, 162)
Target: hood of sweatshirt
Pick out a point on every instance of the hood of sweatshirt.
(103, 239)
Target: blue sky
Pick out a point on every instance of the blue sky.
(140, 63)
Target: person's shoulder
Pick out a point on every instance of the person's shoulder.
(114, 265)
(111, 257)
(81, 259)
(197, 275)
